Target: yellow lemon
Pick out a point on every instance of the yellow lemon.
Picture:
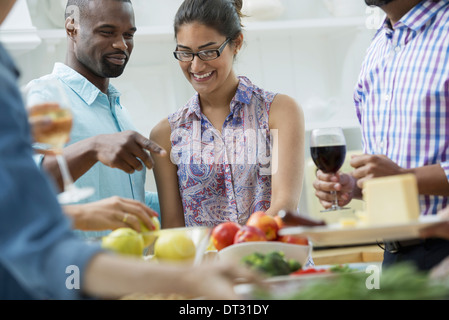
(174, 246)
(148, 239)
(125, 241)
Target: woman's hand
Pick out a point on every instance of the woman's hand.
(110, 214)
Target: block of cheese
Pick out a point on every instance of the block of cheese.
(348, 222)
(391, 200)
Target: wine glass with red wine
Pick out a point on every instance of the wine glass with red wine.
(328, 151)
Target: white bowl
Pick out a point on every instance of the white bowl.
(236, 252)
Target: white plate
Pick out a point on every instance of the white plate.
(284, 285)
(335, 234)
(355, 268)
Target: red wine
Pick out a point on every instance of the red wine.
(329, 159)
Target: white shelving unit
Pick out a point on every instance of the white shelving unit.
(320, 24)
(165, 33)
(327, 34)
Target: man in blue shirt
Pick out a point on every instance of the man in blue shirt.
(105, 151)
(40, 257)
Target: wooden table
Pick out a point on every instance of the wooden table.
(342, 255)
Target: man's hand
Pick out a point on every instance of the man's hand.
(343, 183)
(373, 166)
(126, 151)
(350, 186)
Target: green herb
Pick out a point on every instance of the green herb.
(398, 282)
(273, 263)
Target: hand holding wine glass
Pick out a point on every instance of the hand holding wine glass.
(328, 151)
(51, 122)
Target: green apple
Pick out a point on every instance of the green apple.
(125, 241)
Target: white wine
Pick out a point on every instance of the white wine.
(58, 124)
(50, 117)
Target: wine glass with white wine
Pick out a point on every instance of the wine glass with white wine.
(51, 120)
(328, 151)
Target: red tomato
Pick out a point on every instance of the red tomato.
(308, 271)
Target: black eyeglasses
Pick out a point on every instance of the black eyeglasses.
(205, 55)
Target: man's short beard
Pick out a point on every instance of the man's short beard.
(377, 3)
(109, 70)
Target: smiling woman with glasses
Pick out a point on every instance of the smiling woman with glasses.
(223, 142)
(205, 55)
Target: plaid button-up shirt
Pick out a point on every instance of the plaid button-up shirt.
(402, 96)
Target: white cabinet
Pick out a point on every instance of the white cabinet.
(306, 53)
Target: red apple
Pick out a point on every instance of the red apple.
(223, 234)
(279, 221)
(264, 222)
(249, 233)
(294, 240)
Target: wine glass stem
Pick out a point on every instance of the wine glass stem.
(65, 173)
(335, 202)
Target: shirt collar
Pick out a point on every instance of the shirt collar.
(194, 106)
(243, 96)
(83, 87)
(418, 16)
(244, 92)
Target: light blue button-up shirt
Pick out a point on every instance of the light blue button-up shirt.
(96, 113)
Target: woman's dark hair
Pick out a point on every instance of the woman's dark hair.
(221, 15)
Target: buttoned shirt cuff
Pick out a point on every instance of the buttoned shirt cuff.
(445, 166)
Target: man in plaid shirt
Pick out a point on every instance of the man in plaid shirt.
(402, 103)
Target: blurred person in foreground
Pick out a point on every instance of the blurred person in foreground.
(402, 100)
(37, 245)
